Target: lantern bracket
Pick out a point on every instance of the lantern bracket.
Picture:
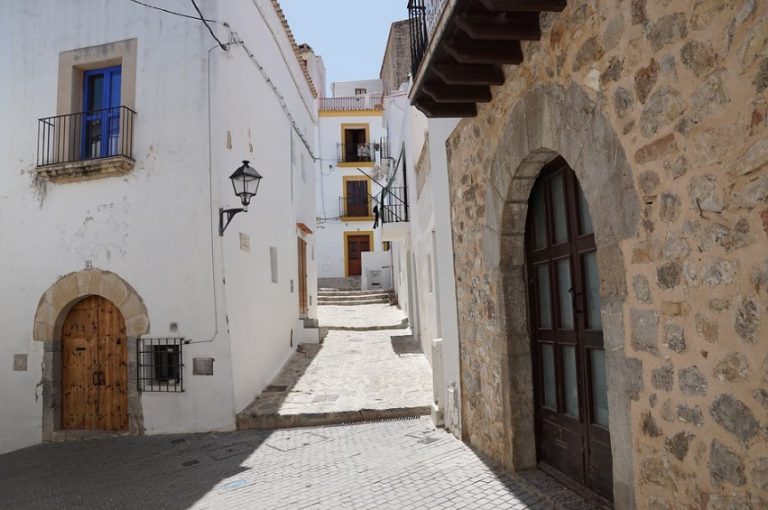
(230, 213)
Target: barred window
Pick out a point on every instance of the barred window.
(160, 364)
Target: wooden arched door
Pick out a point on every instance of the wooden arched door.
(570, 385)
(94, 375)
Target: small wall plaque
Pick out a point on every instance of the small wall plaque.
(19, 362)
(245, 242)
(202, 366)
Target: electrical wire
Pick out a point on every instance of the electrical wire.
(202, 18)
(171, 12)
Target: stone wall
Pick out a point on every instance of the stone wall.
(660, 108)
(396, 65)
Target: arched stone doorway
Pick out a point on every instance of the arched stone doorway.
(549, 121)
(52, 315)
(567, 346)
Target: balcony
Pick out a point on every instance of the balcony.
(350, 104)
(86, 145)
(393, 210)
(458, 48)
(356, 207)
(351, 153)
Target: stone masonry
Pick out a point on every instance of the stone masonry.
(661, 109)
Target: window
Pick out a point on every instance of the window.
(360, 92)
(160, 364)
(101, 112)
(356, 203)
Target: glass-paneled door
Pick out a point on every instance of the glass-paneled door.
(570, 384)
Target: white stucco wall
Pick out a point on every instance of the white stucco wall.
(428, 293)
(156, 226)
(347, 88)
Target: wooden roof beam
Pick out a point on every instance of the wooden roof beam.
(468, 74)
(444, 110)
(525, 5)
(519, 27)
(467, 51)
(444, 93)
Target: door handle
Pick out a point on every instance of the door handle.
(575, 298)
(102, 379)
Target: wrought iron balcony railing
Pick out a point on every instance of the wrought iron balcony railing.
(356, 152)
(355, 206)
(369, 102)
(423, 16)
(394, 205)
(85, 136)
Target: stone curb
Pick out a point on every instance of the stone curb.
(248, 420)
(402, 325)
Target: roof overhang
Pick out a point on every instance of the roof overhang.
(470, 44)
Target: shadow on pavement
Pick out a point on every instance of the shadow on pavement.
(405, 344)
(160, 472)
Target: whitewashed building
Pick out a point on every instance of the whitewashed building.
(123, 308)
(351, 139)
(417, 224)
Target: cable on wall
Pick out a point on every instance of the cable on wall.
(171, 12)
(202, 18)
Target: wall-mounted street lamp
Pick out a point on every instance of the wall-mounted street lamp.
(245, 181)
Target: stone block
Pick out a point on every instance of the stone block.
(692, 381)
(644, 330)
(725, 465)
(688, 414)
(678, 445)
(658, 149)
(735, 417)
(747, 320)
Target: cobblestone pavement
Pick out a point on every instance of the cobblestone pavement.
(403, 464)
(351, 371)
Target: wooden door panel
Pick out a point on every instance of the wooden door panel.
(79, 360)
(562, 449)
(113, 368)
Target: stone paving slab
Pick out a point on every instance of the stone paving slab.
(403, 464)
(351, 376)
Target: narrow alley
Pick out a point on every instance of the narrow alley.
(367, 367)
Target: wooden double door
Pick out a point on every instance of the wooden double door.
(570, 384)
(94, 359)
(355, 246)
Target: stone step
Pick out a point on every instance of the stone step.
(331, 292)
(352, 302)
(252, 419)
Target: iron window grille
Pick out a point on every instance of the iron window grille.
(160, 364)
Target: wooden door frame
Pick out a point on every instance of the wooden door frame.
(54, 305)
(345, 246)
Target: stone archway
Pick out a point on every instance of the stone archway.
(497, 390)
(52, 310)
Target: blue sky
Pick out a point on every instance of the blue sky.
(350, 35)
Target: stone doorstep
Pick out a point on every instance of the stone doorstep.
(252, 420)
(62, 436)
(334, 302)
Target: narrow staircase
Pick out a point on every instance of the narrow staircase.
(327, 296)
